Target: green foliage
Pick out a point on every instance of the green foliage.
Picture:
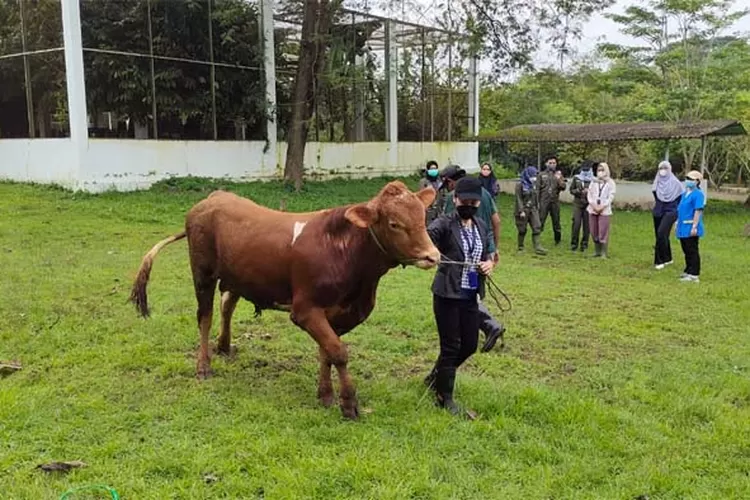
(643, 394)
(693, 73)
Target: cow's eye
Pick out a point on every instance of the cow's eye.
(394, 225)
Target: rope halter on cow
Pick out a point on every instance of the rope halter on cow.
(382, 249)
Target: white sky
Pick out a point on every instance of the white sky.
(597, 30)
(600, 29)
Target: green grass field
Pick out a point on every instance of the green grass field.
(617, 381)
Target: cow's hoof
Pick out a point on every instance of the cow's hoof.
(204, 373)
(350, 412)
(325, 395)
(227, 352)
(326, 398)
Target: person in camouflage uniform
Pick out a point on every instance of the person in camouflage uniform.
(579, 188)
(550, 184)
(527, 210)
(432, 179)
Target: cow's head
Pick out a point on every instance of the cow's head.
(396, 218)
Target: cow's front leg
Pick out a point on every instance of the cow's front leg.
(325, 387)
(313, 321)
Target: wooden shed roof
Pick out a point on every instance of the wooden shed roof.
(613, 132)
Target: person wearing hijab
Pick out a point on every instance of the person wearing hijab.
(431, 179)
(462, 237)
(579, 188)
(600, 197)
(488, 180)
(527, 210)
(690, 225)
(667, 190)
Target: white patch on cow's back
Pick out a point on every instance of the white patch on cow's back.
(298, 227)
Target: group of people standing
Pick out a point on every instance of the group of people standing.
(679, 205)
(538, 196)
(464, 224)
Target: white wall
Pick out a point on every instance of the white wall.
(136, 164)
(46, 161)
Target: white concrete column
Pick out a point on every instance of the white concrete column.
(265, 13)
(359, 98)
(391, 71)
(473, 97)
(74, 77)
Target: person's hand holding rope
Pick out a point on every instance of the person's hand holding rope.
(486, 267)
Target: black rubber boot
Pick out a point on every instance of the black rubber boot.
(491, 340)
(558, 238)
(429, 380)
(603, 250)
(521, 237)
(597, 249)
(444, 383)
(537, 245)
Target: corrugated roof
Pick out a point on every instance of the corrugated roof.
(613, 132)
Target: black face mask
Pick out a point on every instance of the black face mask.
(466, 211)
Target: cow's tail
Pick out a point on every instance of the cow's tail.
(138, 294)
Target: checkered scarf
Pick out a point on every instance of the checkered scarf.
(473, 257)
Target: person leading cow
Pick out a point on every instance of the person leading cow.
(488, 213)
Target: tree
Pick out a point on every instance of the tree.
(502, 32)
(683, 58)
(509, 32)
(314, 42)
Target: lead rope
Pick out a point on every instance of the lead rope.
(493, 288)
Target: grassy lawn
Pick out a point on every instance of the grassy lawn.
(617, 381)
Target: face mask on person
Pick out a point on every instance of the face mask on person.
(690, 184)
(663, 172)
(432, 172)
(466, 211)
(600, 174)
(532, 179)
(551, 166)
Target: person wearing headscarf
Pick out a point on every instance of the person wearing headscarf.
(550, 184)
(667, 190)
(527, 210)
(432, 179)
(690, 225)
(488, 179)
(600, 197)
(579, 188)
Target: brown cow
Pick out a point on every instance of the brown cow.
(323, 267)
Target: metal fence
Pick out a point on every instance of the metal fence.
(194, 70)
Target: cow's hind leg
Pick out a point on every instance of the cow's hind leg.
(205, 289)
(325, 387)
(313, 320)
(228, 304)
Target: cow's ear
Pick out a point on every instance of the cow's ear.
(361, 215)
(426, 196)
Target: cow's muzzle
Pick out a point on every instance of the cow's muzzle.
(428, 260)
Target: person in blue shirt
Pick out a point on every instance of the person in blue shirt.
(690, 225)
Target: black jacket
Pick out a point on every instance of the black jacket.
(445, 232)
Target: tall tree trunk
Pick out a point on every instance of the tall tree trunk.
(316, 27)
